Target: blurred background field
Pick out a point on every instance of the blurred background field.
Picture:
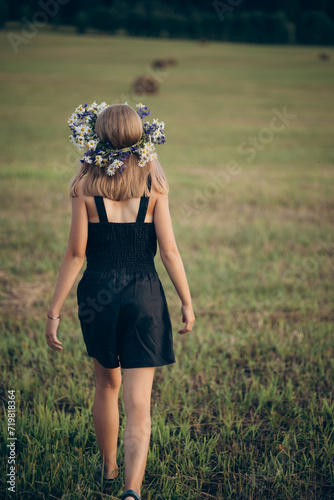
(246, 412)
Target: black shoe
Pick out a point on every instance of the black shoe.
(130, 493)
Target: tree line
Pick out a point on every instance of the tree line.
(250, 21)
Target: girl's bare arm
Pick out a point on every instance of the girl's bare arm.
(70, 267)
(171, 258)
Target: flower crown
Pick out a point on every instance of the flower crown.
(82, 125)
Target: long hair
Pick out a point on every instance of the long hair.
(121, 126)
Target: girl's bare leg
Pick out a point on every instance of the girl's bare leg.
(137, 388)
(106, 416)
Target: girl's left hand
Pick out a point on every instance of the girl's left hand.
(51, 334)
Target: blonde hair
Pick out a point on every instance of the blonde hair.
(122, 127)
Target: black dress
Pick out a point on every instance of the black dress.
(122, 306)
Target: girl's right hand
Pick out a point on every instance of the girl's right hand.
(188, 318)
(51, 335)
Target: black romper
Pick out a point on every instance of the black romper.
(122, 306)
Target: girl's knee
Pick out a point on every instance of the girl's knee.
(107, 383)
(136, 403)
(107, 378)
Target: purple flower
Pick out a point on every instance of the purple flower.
(143, 111)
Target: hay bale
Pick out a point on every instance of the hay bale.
(159, 64)
(324, 57)
(145, 84)
(172, 62)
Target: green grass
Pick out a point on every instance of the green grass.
(246, 412)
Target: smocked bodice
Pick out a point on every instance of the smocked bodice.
(128, 246)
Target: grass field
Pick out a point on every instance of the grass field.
(246, 412)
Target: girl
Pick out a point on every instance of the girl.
(119, 212)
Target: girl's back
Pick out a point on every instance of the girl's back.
(121, 211)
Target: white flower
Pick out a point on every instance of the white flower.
(76, 143)
(117, 163)
(101, 107)
(156, 135)
(92, 109)
(161, 125)
(81, 130)
(111, 170)
(98, 159)
(87, 159)
(147, 149)
(92, 106)
(92, 144)
(142, 163)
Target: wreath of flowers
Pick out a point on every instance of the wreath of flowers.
(82, 126)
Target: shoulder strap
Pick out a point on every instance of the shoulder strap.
(144, 203)
(101, 210)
